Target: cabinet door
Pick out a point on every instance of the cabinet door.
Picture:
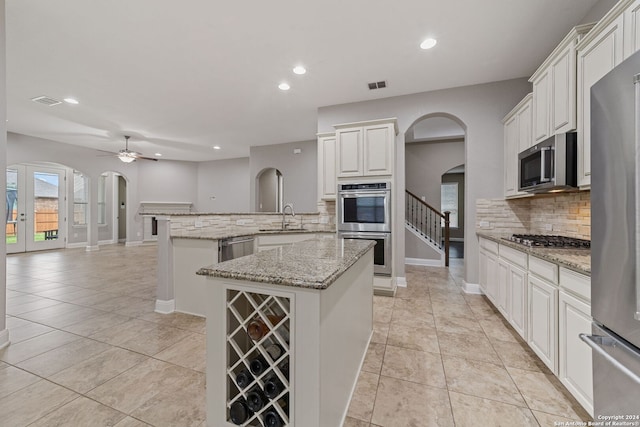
(518, 300)
(632, 29)
(541, 103)
(525, 131)
(543, 324)
(492, 278)
(575, 370)
(482, 273)
(378, 144)
(349, 155)
(327, 185)
(503, 288)
(597, 58)
(563, 92)
(511, 156)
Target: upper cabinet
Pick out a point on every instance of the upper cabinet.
(517, 137)
(365, 148)
(327, 185)
(598, 53)
(554, 88)
(632, 28)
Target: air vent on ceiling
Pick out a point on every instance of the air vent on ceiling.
(46, 100)
(377, 85)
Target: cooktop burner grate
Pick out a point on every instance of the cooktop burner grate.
(539, 240)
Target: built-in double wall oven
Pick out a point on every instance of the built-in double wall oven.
(364, 212)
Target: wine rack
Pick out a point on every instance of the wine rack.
(270, 352)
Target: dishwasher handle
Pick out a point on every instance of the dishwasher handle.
(235, 242)
(597, 342)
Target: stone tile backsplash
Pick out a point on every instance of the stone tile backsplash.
(566, 214)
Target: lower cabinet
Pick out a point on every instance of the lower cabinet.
(518, 300)
(543, 321)
(575, 370)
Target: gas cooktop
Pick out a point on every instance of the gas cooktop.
(539, 240)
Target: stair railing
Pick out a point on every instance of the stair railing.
(428, 221)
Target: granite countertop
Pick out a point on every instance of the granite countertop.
(575, 259)
(314, 264)
(207, 234)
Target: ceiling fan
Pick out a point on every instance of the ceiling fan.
(128, 156)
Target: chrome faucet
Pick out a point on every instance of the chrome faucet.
(284, 213)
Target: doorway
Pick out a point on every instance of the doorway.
(35, 218)
(122, 209)
(269, 190)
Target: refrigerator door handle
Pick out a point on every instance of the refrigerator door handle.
(596, 342)
(636, 82)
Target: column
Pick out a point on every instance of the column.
(92, 226)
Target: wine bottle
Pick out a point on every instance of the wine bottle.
(275, 351)
(257, 328)
(239, 412)
(284, 368)
(256, 399)
(272, 418)
(244, 378)
(258, 365)
(272, 387)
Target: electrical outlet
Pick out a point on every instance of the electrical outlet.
(324, 220)
(198, 224)
(314, 221)
(548, 227)
(485, 224)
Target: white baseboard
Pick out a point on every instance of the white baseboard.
(472, 288)
(425, 262)
(92, 248)
(165, 306)
(456, 239)
(401, 281)
(4, 338)
(76, 245)
(135, 243)
(106, 242)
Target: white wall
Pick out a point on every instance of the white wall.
(479, 109)
(299, 172)
(228, 182)
(4, 333)
(425, 163)
(167, 181)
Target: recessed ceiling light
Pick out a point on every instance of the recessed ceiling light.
(428, 43)
(216, 147)
(284, 86)
(158, 154)
(299, 69)
(71, 101)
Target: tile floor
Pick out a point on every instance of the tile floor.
(88, 350)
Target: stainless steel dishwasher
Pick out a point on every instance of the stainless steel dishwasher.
(235, 247)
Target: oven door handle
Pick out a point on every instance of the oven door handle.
(363, 193)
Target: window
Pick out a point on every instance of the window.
(449, 202)
(80, 198)
(102, 200)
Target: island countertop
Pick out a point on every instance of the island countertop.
(314, 264)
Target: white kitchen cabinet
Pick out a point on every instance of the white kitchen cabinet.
(327, 185)
(554, 88)
(575, 361)
(503, 288)
(575, 370)
(518, 300)
(488, 263)
(543, 321)
(365, 148)
(517, 137)
(632, 29)
(598, 53)
(274, 241)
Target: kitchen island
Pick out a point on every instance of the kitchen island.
(291, 323)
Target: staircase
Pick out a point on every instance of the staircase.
(429, 223)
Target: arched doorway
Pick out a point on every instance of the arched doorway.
(269, 186)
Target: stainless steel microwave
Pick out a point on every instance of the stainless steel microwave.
(549, 166)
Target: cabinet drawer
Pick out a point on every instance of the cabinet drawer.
(544, 269)
(576, 283)
(514, 256)
(489, 245)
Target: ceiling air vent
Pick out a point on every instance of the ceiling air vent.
(46, 100)
(377, 85)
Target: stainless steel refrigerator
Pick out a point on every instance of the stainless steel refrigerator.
(615, 242)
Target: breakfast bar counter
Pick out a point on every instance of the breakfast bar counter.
(287, 332)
